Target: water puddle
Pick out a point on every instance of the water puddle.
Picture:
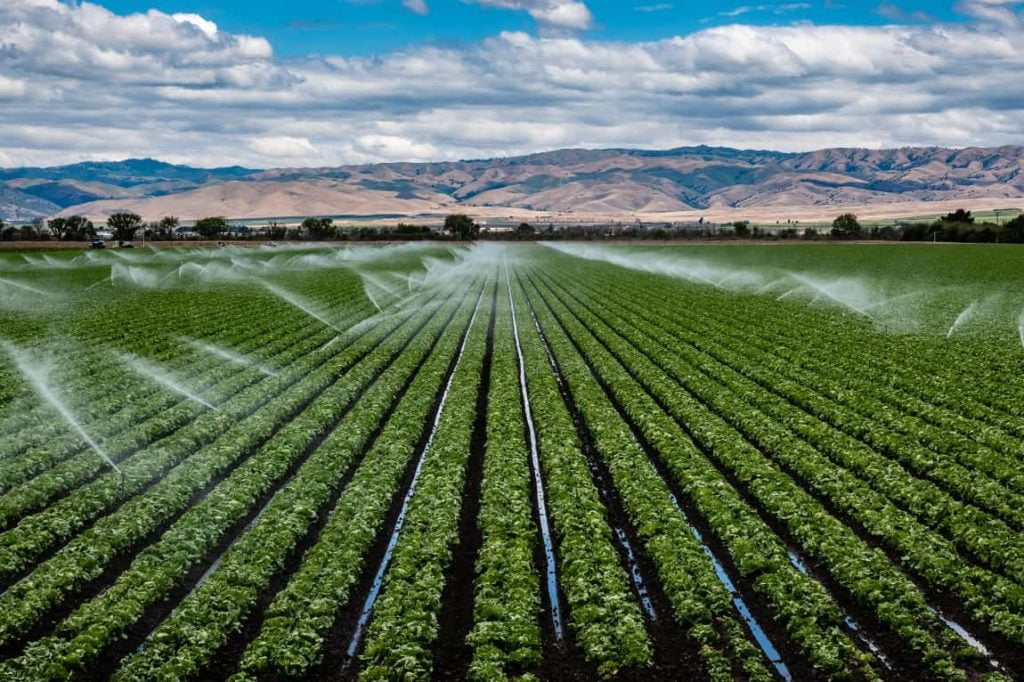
(760, 636)
(851, 624)
(634, 573)
(550, 567)
(971, 640)
(378, 578)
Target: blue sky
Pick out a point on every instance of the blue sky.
(332, 82)
(368, 27)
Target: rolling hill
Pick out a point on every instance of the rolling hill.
(598, 184)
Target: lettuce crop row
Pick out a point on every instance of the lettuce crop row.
(122, 431)
(604, 614)
(297, 621)
(989, 539)
(83, 559)
(404, 625)
(795, 599)
(991, 598)
(866, 574)
(189, 638)
(506, 634)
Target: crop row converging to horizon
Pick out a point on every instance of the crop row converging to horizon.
(572, 461)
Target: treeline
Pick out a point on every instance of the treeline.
(127, 227)
(76, 228)
(958, 226)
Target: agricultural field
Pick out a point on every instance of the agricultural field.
(572, 461)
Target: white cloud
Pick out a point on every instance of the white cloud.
(1004, 12)
(416, 6)
(774, 9)
(395, 148)
(85, 40)
(208, 28)
(81, 82)
(566, 14)
(11, 88)
(283, 147)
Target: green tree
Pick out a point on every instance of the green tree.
(461, 226)
(741, 228)
(525, 230)
(1013, 231)
(959, 216)
(58, 227)
(123, 226)
(165, 227)
(79, 228)
(319, 228)
(211, 227)
(846, 226)
(32, 230)
(277, 231)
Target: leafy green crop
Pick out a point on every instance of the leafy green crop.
(809, 456)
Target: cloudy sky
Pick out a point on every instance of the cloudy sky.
(327, 82)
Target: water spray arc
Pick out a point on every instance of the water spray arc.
(161, 376)
(226, 354)
(297, 302)
(38, 375)
(963, 318)
(24, 287)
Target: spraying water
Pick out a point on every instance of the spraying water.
(840, 292)
(161, 376)
(787, 294)
(38, 375)
(1020, 328)
(769, 286)
(328, 344)
(293, 300)
(963, 318)
(24, 287)
(144, 277)
(376, 305)
(225, 354)
(889, 301)
(860, 294)
(108, 278)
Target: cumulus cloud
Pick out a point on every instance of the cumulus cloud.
(78, 81)
(47, 37)
(1004, 12)
(565, 14)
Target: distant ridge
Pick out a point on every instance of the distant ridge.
(598, 183)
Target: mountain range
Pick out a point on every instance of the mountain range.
(568, 184)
